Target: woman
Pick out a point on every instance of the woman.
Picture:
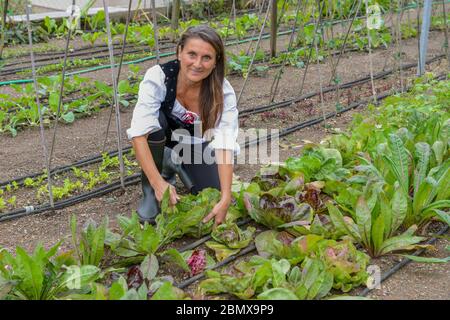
(175, 96)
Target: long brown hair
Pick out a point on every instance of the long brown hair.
(211, 94)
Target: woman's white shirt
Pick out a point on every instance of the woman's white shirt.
(152, 92)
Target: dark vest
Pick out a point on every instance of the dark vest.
(170, 70)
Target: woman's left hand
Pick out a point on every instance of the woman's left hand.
(219, 212)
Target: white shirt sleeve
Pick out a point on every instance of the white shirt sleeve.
(152, 92)
(226, 131)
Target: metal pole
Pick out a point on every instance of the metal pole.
(273, 29)
(446, 33)
(4, 14)
(254, 54)
(61, 91)
(426, 18)
(124, 43)
(155, 30)
(175, 14)
(116, 100)
(41, 122)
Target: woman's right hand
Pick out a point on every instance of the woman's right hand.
(160, 187)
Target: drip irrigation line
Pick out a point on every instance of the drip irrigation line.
(53, 58)
(309, 123)
(63, 169)
(224, 262)
(247, 112)
(105, 46)
(90, 47)
(287, 103)
(136, 178)
(31, 210)
(406, 261)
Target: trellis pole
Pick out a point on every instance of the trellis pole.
(4, 15)
(61, 90)
(277, 78)
(446, 33)
(424, 36)
(322, 107)
(41, 120)
(155, 31)
(273, 29)
(116, 100)
(254, 54)
(175, 15)
(399, 42)
(374, 93)
(316, 25)
(254, 30)
(124, 42)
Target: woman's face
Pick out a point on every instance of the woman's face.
(197, 60)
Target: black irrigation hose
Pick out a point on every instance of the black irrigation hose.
(16, 70)
(405, 261)
(25, 68)
(309, 123)
(89, 47)
(287, 103)
(136, 177)
(31, 210)
(224, 262)
(246, 112)
(62, 169)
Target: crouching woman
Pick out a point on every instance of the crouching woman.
(186, 102)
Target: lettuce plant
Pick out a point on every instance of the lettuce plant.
(282, 245)
(272, 279)
(186, 217)
(275, 212)
(345, 262)
(134, 242)
(229, 239)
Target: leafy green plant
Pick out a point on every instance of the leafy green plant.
(41, 276)
(89, 246)
(134, 242)
(186, 217)
(229, 239)
(374, 220)
(272, 279)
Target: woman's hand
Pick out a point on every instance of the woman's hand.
(219, 212)
(160, 187)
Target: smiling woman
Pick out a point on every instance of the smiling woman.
(182, 105)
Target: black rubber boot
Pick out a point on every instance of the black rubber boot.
(170, 168)
(148, 207)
